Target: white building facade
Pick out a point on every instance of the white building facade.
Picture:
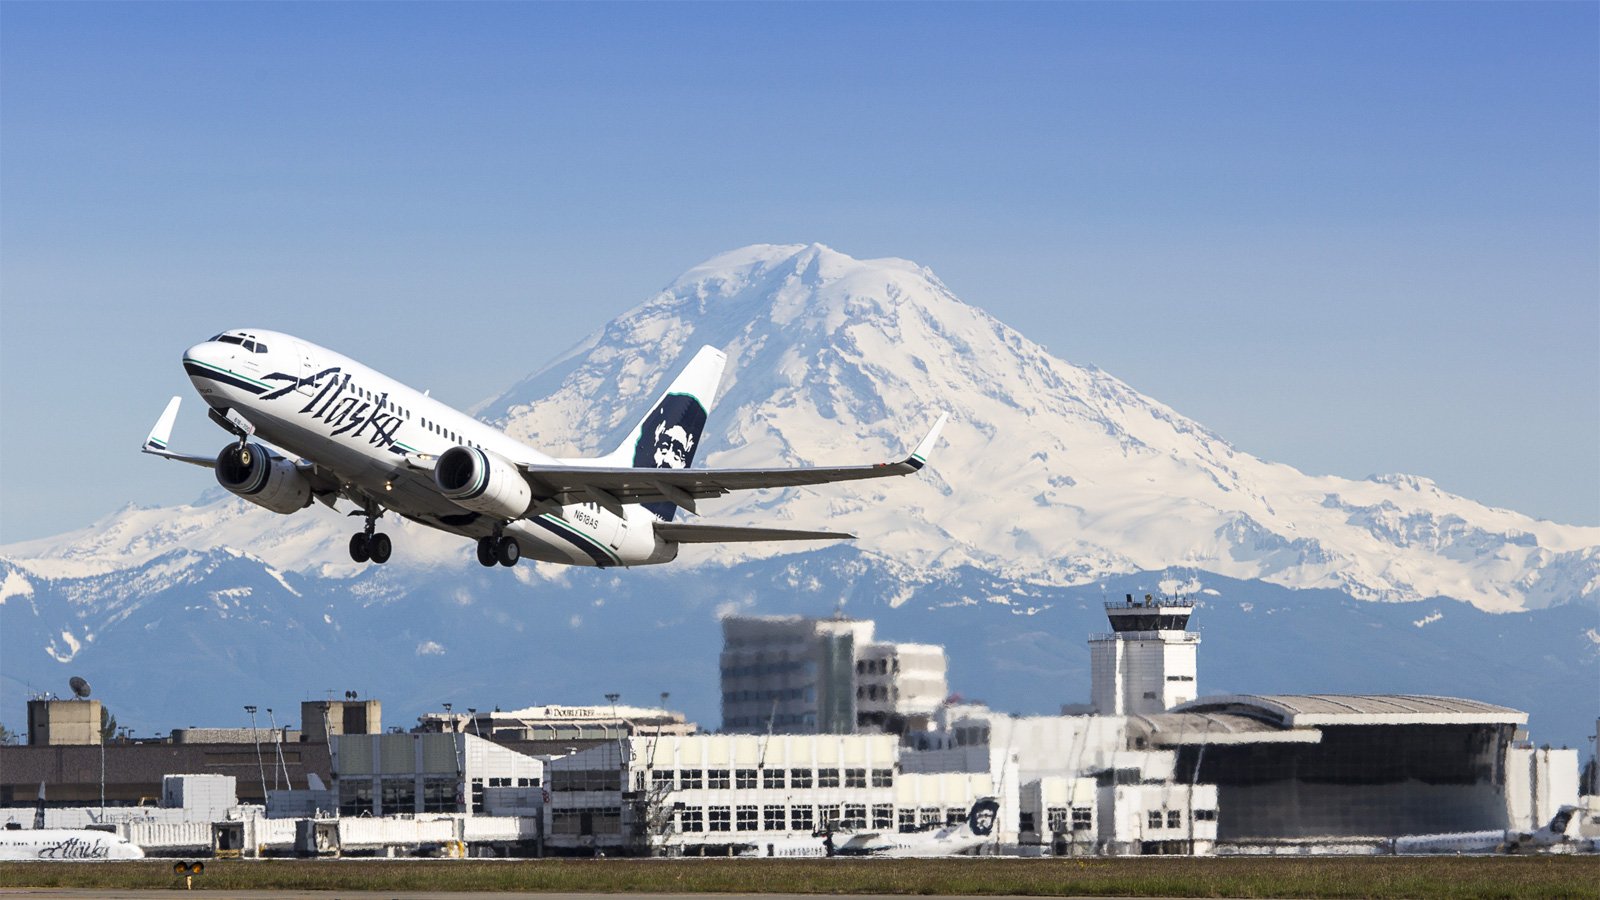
(799, 675)
(735, 795)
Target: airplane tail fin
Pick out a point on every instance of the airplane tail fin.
(669, 434)
(981, 818)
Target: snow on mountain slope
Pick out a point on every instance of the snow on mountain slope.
(1048, 472)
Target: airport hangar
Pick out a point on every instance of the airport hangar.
(1291, 767)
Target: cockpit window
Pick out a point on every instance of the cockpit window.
(230, 339)
(261, 348)
(250, 345)
(217, 337)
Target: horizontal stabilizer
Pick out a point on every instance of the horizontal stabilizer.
(682, 533)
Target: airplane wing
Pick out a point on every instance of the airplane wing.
(156, 443)
(323, 486)
(612, 487)
(684, 533)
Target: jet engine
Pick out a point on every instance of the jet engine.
(482, 482)
(263, 479)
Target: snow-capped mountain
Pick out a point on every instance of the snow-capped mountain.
(1051, 478)
(1049, 472)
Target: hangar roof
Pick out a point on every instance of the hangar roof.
(1173, 729)
(1309, 710)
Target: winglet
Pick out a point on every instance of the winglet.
(156, 443)
(919, 456)
(159, 435)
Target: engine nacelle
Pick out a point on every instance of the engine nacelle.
(482, 482)
(263, 479)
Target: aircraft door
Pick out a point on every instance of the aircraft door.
(305, 374)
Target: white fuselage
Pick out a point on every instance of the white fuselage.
(358, 425)
(64, 845)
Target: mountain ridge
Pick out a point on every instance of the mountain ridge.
(1048, 471)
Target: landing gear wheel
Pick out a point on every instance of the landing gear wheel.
(486, 551)
(507, 552)
(360, 549)
(379, 548)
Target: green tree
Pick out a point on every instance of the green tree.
(7, 736)
(108, 725)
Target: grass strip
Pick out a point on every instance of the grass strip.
(1452, 877)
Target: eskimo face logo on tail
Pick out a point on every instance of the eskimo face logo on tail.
(668, 440)
(982, 817)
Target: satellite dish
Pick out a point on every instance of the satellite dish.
(80, 688)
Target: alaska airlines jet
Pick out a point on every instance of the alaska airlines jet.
(62, 844)
(333, 428)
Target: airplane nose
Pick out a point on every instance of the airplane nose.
(203, 352)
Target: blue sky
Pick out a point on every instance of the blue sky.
(1354, 238)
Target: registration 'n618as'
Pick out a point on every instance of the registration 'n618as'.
(310, 424)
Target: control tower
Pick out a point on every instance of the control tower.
(1147, 663)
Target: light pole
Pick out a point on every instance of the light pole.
(260, 766)
(473, 712)
(277, 745)
(613, 698)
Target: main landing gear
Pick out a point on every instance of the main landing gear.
(498, 549)
(370, 543)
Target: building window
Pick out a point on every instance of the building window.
(1155, 818)
(883, 778)
(716, 778)
(1205, 815)
(772, 778)
(694, 819)
(661, 778)
(800, 819)
(930, 815)
(399, 796)
(691, 780)
(855, 778)
(1082, 818)
(564, 821)
(1174, 818)
(855, 816)
(1025, 821)
(607, 821)
(773, 818)
(828, 817)
(355, 797)
(906, 820)
(721, 818)
(955, 815)
(747, 818)
(1058, 817)
(439, 795)
(477, 795)
(827, 778)
(744, 779)
(800, 778)
(883, 816)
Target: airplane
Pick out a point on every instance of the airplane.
(1552, 838)
(312, 424)
(964, 837)
(62, 844)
